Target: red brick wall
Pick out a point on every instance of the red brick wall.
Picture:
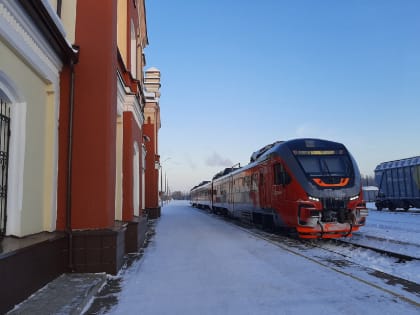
(94, 160)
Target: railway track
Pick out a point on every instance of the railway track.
(330, 254)
(402, 258)
(336, 261)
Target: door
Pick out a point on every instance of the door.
(264, 188)
(279, 187)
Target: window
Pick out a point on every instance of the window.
(332, 165)
(133, 51)
(281, 177)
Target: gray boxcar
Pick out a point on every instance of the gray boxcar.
(399, 184)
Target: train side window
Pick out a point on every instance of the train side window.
(254, 181)
(281, 177)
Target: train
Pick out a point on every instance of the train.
(399, 184)
(309, 187)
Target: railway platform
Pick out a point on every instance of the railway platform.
(68, 294)
(199, 263)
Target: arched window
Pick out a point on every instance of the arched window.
(9, 94)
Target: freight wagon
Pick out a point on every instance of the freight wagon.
(399, 184)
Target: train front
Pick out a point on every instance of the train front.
(333, 206)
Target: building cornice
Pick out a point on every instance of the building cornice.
(27, 39)
(128, 80)
(51, 30)
(128, 102)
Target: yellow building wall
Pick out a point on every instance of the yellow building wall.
(37, 213)
(122, 29)
(68, 17)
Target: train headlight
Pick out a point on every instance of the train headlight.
(354, 197)
(313, 198)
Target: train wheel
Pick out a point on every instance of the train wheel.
(391, 207)
(406, 206)
(268, 223)
(293, 233)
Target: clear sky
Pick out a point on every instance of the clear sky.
(239, 74)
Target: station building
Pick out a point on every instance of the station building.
(151, 130)
(73, 155)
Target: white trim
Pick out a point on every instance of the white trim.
(143, 176)
(128, 102)
(119, 169)
(120, 95)
(132, 105)
(16, 168)
(21, 33)
(136, 179)
(54, 89)
(10, 92)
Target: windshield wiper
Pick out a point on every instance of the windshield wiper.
(326, 167)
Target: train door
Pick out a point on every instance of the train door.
(264, 193)
(231, 196)
(212, 196)
(279, 190)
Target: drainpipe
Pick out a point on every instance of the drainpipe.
(59, 6)
(69, 230)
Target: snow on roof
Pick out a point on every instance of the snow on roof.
(152, 69)
(399, 163)
(370, 188)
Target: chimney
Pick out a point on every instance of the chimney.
(152, 81)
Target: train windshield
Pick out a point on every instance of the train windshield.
(326, 167)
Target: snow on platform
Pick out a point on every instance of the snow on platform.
(197, 264)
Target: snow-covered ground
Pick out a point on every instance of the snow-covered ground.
(398, 227)
(397, 232)
(199, 264)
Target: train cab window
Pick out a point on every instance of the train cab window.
(281, 177)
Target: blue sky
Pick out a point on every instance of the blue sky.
(239, 74)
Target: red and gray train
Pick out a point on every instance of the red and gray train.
(309, 186)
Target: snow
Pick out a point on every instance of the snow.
(398, 232)
(197, 263)
(397, 226)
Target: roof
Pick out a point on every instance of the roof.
(152, 69)
(399, 163)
